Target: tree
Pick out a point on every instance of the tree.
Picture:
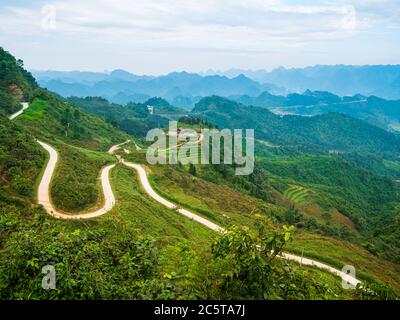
(77, 114)
(192, 169)
(293, 215)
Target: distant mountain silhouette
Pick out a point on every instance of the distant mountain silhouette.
(378, 80)
(377, 111)
(183, 89)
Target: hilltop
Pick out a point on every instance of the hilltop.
(376, 111)
(332, 131)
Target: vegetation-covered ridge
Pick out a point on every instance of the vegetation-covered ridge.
(141, 249)
(375, 110)
(16, 84)
(333, 132)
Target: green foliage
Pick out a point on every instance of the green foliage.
(89, 264)
(20, 160)
(134, 118)
(50, 118)
(192, 169)
(356, 192)
(244, 265)
(331, 132)
(75, 186)
(293, 216)
(16, 84)
(8, 103)
(375, 291)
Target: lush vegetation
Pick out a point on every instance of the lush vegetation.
(16, 84)
(50, 118)
(134, 118)
(213, 201)
(123, 255)
(342, 206)
(75, 186)
(333, 132)
(21, 160)
(376, 111)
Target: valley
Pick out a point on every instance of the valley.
(127, 229)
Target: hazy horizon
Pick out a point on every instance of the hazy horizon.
(204, 72)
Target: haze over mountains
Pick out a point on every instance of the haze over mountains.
(377, 111)
(361, 92)
(180, 88)
(184, 89)
(378, 80)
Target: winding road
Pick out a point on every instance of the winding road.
(25, 105)
(43, 196)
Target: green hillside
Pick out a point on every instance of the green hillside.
(331, 132)
(376, 111)
(134, 118)
(143, 250)
(16, 84)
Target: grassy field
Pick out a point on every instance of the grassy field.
(151, 218)
(36, 110)
(299, 194)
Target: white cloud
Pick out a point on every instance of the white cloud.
(189, 30)
(190, 23)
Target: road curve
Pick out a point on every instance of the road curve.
(150, 191)
(115, 148)
(43, 194)
(308, 262)
(25, 105)
(304, 261)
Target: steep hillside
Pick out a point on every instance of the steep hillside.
(331, 132)
(21, 160)
(134, 118)
(16, 84)
(50, 117)
(336, 178)
(376, 111)
(141, 249)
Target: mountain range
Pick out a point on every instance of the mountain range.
(363, 92)
(182, 89)
(377, 111)
(378, 80)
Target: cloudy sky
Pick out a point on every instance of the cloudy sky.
(159, 36)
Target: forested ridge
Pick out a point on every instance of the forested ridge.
(333, 132)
